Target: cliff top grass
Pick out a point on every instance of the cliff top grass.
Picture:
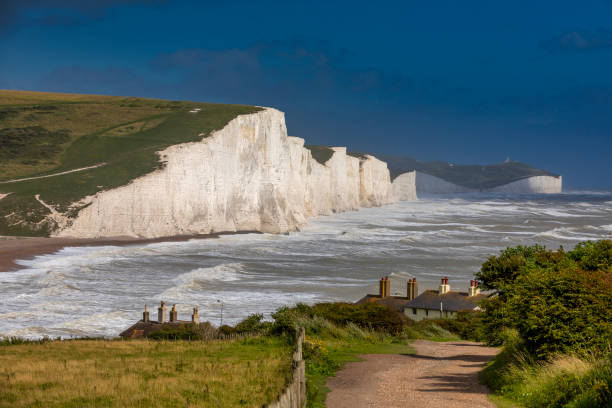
(48, 133)
(320, 153)
(141, 373)
(477, 177)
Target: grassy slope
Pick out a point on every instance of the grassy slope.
(471, 176)
(565, 381)
(125, 133)
(320, 153)
(140, 373)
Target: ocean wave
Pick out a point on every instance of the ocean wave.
(200, 278)
(565, 233)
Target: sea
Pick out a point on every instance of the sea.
(100, 291)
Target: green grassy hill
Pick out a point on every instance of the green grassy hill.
(48, 133)
(477, 177)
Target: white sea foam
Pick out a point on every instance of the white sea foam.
(567, 234)
(98, 291)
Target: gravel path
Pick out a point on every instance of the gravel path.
(438, 375)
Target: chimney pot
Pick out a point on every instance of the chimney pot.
(195, 317)
(173, 314)
(161, 312)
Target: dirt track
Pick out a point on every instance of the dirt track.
(95, 166)
(438, 375)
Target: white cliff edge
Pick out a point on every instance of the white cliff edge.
(532, 185)
(404, 186)
(427, 184)
(248, 176)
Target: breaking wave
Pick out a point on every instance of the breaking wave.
(99, 291)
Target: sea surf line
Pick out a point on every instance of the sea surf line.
(98, 291)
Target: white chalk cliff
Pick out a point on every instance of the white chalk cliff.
(532, 185)
(404, 186)
(427, 184)
(247, 176)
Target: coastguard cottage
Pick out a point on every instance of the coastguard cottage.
(443, 302)
(431, 303)
(145, 326)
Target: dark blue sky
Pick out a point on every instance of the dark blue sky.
(466, 82)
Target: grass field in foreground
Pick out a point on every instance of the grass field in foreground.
(141, 373)
(42, 133)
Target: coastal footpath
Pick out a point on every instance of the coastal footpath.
(248, 176)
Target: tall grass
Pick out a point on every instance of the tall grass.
(141, 373)
(563, 381)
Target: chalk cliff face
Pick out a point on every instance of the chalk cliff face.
(427, 184)
(247, 176)
(404, 186)
(532, 185)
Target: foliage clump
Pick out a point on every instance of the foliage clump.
(552, 311)
(371, 316)
(558, 301)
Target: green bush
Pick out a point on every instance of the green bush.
(558, 301)
(558, 307)
(182, 332)
(253, 324)
(593, 255)
(566, 311)
(466, 324)
(370, 315)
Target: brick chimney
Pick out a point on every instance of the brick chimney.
(173, 315)
(413, 289)
(474, 289)
(444, 286)
(145, 315)
(195, 317)
(161, 312)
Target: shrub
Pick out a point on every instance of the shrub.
(253, 324)
(226, 330)
(558, 301)
(593, 255)
(182, 332)
(368, 315)
(201, 331)
(468, 325)
(565, 311)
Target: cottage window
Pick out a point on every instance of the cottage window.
(414, 310)
(426, 312)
